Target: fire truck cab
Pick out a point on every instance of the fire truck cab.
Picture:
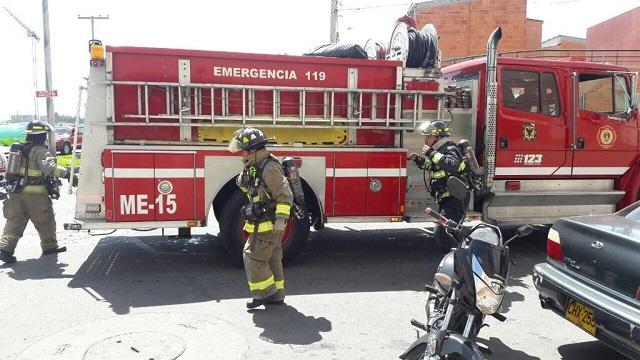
(564, 140)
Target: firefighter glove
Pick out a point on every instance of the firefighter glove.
(419, 160)
(73, 180)
(280, 225)
(243, 181)
(427, 150)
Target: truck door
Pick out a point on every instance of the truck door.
(606, 138)
(531, 136)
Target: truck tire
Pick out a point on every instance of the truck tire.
(65, 149)
(233, 238)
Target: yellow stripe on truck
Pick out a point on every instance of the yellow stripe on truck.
(335, 136)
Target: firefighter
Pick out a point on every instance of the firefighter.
(30, 193)
(270, 201)
(441, 158)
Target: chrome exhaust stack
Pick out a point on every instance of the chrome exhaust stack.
(491, 87)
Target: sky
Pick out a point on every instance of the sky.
(257, 26)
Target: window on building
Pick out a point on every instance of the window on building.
(521, 90)
(605, 94)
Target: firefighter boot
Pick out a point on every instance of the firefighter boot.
(7, 257)
(254, 303)
(274, 301)
(271, 300)
(55, 250)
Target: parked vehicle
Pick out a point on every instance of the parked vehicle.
(469, 284)
(64, 139)
(592, 278)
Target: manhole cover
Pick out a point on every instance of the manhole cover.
(144, 336)
(139, 345)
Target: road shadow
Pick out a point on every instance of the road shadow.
(45, 267)
(499, 350)
(141, 271)
(284, 324)
(135, 272)
(590, 350)
(525, 252)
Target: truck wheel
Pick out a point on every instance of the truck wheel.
(66, 149)
(231, 223)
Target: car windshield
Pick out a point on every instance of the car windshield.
(631, 212)
(62, 131)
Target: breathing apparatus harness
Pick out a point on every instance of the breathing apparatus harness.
(15, 181)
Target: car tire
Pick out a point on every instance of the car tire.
(65, 149)
(234, 239)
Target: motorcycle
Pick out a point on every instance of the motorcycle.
(468, 285)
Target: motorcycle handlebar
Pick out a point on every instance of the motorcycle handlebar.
(441, 219)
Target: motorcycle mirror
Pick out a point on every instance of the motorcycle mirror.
(457, 188)
(523, 230)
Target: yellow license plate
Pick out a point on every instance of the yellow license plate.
(581, 315)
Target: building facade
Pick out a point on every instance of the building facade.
(465, 25)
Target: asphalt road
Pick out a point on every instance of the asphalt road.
(351, 294)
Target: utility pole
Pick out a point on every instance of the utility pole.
(34, 49)
(334, 37)
(47, 61)
(92, 18)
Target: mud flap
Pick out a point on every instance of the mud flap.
(458, 344)
(421, 340)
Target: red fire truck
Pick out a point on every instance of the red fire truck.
(158, 122)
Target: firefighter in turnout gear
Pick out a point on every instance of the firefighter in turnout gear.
(31, 187)
(266, 216)
(441, 158)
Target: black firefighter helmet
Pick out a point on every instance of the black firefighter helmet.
(37, 131)
(35, 127)
(434, 128)
(248, 139)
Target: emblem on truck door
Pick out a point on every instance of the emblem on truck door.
(606, 136)
(529, 131)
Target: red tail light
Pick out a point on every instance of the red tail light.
(512, 185)
(554, 250)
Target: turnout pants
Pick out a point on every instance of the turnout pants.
(453, 209)
(18, 209)
(263, 265)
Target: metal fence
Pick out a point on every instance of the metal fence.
(629, 58)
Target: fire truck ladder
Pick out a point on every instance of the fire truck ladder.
(190, 98)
